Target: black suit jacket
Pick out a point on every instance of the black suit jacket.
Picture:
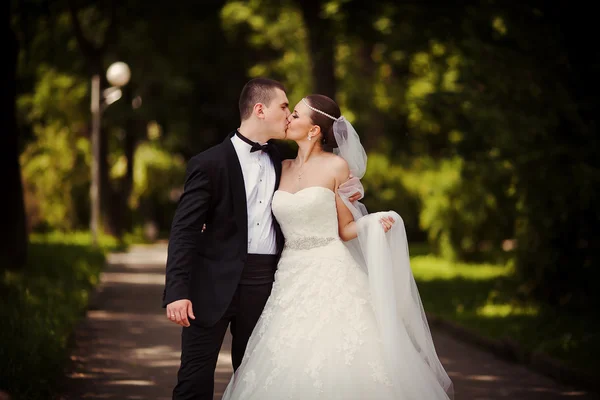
(206, 267)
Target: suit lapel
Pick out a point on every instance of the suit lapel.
(238, 189)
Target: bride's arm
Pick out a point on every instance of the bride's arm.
(346, 225)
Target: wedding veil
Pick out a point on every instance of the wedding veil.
(385, 258)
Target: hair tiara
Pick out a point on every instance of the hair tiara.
(319, 111)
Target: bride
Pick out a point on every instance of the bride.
(344, 319)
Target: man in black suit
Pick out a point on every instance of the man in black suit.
(225, 271)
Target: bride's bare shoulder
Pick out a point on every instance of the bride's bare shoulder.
(336, 161)
(338, 166)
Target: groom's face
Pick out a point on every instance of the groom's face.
(276, 115)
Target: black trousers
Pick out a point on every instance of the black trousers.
(200, 345)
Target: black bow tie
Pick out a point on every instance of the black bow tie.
(254, 146)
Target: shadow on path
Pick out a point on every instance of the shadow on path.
(127, 349)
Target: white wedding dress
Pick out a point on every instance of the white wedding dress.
(318, 336)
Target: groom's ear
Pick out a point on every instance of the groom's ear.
(259, 110)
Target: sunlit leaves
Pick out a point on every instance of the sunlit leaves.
(56, 96)
(499, 25)
(384, 25)
(55, 162)
(279, 28)
(158, 174)
(331, 8)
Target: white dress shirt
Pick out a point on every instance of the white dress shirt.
(259, 181)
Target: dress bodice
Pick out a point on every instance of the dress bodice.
(308, 214)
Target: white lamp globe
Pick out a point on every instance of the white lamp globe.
(118, 74)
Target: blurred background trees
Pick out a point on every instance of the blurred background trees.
(480, 118)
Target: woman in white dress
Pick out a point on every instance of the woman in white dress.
(344, 319)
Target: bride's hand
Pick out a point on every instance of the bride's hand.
(387, 223)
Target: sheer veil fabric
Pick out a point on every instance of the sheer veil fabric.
(385, 258)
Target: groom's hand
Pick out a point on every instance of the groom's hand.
(178, 312)
(355, 196)
(352, 181)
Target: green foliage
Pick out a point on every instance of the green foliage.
(40, 308)
(386, 188)
(475, 136)
(463, 217)
(558, 240)
(527, 141)
(485, 299)
(55, 164)
(278, 32)
(158, 181)
(438, 185)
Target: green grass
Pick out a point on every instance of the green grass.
(40, 308)
(485, 299)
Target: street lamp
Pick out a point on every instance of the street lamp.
(118, 75)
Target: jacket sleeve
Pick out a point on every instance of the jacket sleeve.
(186, 228)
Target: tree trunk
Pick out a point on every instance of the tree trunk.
(13, 235)
(373, 130)
(322, 47)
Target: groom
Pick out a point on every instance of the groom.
(223, 274)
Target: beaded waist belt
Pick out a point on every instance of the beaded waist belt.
(308, 242)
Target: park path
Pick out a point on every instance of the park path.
(127, 349)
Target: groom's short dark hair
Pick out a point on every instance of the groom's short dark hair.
(257, 90)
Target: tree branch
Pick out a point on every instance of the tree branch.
(87, 48)
(112, 31)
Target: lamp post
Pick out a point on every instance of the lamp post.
(118, 75)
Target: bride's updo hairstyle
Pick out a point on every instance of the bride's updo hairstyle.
(328, 106)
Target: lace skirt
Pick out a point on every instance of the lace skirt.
(317, 337)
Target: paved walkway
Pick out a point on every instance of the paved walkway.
(127, 349)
